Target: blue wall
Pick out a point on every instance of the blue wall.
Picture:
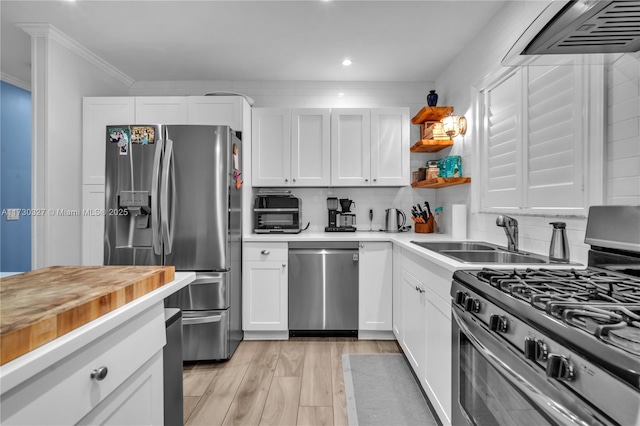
(15, 177)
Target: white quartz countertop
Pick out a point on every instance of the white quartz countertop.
(402, 239)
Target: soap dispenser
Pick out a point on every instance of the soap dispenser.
(559, 248)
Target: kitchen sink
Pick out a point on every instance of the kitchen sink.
(496, 256)
(479, 252)
(454, 245)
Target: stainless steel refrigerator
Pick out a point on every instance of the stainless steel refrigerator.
(174, 197)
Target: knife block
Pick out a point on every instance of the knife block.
(425, 228)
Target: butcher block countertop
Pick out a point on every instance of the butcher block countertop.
(39, 306)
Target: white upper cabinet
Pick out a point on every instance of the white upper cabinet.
(161, 110)
(350, 146)
(370, 147)
(216, 110)
(271, 146)
(390, 146)
(321, 147)
(97, 114)
(290, 147)
(310, 147)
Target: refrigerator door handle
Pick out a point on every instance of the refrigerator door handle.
(168, 217)
(155, 204)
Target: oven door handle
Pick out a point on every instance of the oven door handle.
(551, 407)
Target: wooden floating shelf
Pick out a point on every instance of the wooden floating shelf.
(431, 114)
(431, 145)
(440, 182)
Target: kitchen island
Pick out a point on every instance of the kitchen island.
(84, 344)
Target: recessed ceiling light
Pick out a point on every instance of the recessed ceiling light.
(340, 94)
(346, 62)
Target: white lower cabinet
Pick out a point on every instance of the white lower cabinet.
(423, 327)
(375, 290)
(265, 287)
(412, 334)
(64, 392)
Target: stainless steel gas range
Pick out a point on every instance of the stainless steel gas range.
(553, 346)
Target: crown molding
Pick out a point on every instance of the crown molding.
(15, 82)
(51, 32)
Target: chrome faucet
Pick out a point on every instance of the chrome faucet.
(510, 226)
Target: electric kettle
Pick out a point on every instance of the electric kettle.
(392, 220)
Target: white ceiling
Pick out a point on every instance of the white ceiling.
(254, 40)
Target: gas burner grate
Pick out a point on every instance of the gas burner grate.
(603, 304)
(541, 286)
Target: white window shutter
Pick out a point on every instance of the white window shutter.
(502, 187)
(554, 146)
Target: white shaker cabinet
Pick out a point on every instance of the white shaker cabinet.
(412, 318)
(271, 146)
(265, 289)
(390, 147)
(161, 110)
(423, 327)
(350, 146)
(370, 147)
(291, 147)
(310, 147)
(375, 291)
(217, 110)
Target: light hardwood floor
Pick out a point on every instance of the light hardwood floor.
(292, 382)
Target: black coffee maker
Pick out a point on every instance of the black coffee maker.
(342, 221)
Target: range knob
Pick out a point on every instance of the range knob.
(471, 304)
(498, 323)
(534, 349)
(559, 367)
(460, 296)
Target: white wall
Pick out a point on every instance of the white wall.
(62, 75)
(481, 59)
(301, 94)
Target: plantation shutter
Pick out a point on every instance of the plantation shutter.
(502, 186)
(554, 146)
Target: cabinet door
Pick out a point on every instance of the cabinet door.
(310, 147)
(265, 296)
(413, 322)
(438, 354)
(216, 110)
(97, 114)
(93, 225)
(161, 110)
(271, 146)
(350, 147)
(397, 292)
(375, 269)
(390, 147)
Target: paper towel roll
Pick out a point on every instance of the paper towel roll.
(459, 221)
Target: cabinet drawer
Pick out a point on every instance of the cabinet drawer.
(266, 251)
(65, 392)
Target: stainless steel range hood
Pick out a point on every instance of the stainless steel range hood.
(568, 28)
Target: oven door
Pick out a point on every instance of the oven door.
(493, 384)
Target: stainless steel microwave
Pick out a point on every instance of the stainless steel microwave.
(276, 213)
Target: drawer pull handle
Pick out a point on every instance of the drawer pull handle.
(201, 320)
(265, 252)
(99, 373)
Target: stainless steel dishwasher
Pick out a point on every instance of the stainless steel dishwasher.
(323, 288)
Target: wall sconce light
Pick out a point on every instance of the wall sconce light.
(454, 125)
